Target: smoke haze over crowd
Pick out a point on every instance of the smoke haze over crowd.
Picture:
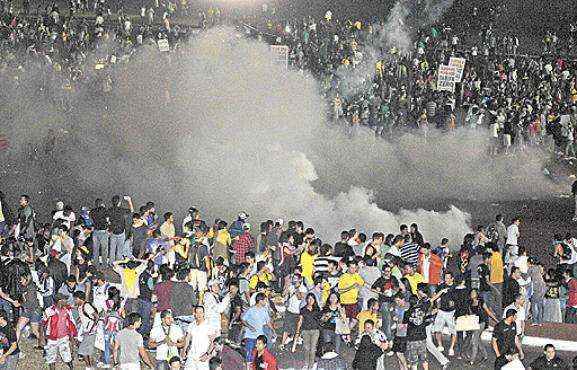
(240, 133)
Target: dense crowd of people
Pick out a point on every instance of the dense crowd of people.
(113, 284)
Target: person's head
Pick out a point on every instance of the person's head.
(168, 217)
(344, 235)
(311, 301)
(353, 267)
(404, 229)
(60, 300)
(366, 341)
(71, 281)
(422, 290)
(133, 320)
(515, 272)
(24, 200)
(474, 294)
(4, 319)
(444, 242)
(333, 298)
(175, 363)
(199, 313)
(373, 305)
(166, 317)
(116, 201)
(398, 241)
(79, 297)
(549, 351)
(414, 228)
(510, 316)
(369, 326)
(250, 258)
(408, 269)
(261, 343)
(567, 275)
(333, 266)
(516, 221)
(486, 257)
(499, 218)
(260, 299)
(326, 249)
(378, 238)
(449, 278)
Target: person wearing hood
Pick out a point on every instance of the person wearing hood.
(236, 229)
(367, 354)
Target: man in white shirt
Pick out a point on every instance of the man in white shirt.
(511, 248)
(519, 306)
(214, 307)
(167, 338)
(198, 342)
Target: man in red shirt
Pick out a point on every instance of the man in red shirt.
(59, 329)
(263, 359)
(571, 308)
(243, 244)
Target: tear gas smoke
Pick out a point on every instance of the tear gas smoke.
(240, 133)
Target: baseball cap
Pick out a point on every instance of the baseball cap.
(243, 215)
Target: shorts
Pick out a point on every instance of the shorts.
(416, 352)
(290, 323)
(352, 310)
(399, 345)
(198, 280)
(54, 347)
(249, 346)
(86, 347)
(443, 319)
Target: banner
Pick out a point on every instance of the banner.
(446, 78)
(459, 64)
(281, 53)
(163, 45)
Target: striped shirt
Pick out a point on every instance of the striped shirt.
(410, 253)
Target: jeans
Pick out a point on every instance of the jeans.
(537, 309)
(386, 320)
(144, 308)
(116, 246)
(100, 244)
(108, 343)
(474, 339)
(331, 336)
(310, 341)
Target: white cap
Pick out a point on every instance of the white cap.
(279, 221)
(242, 216)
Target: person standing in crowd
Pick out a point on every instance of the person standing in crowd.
(117, 218)
(349, 285)
(506, 344)
(512, 246)
(571, 305)
(129, 345)
(100, 236)
(88, 317)
(308, 327)
(167, 338)
(446, 314)
(198, 341)
(255, 319)
(58, 332)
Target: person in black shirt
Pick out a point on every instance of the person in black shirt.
(505, 342)
(387, 286)
(117, 216)
(146, 285)
(484, 275)
(8, 344)
(446, 314)
(99, 216)
(309, 327)
(416, 320)
(512, 287)
(549, 360)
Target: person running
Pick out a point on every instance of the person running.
(129, 345)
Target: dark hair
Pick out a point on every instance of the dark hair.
(115, 200)
(263, 339)
(79, 294)
(444, 241)
(214, 363)
(547, 346)
(378, 235)
(260, 265)
(259, 297)
(132, 318)
(403, 227)
(167, 215)
(369, 321)
(510, 312)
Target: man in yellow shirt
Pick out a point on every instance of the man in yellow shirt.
(349, 285)
(414, 278)
(308, 257)
(496, 278)
(371, 313)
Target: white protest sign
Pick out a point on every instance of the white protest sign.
(459, 64)
(163, 45)
(446, 78)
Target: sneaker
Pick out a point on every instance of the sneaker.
(451, 352)
(440, 349)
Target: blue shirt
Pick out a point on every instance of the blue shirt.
(257, 318)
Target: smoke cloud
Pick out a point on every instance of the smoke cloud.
(223, 128)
